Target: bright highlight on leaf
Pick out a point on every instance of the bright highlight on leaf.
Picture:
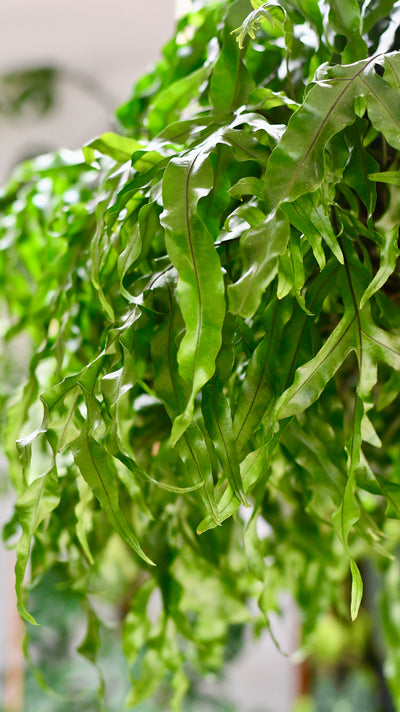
(273, 15)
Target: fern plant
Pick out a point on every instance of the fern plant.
(212, 302)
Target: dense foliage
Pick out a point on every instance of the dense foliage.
(212, 303)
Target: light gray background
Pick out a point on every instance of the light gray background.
(111, 42)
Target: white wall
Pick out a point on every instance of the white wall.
(111, 42)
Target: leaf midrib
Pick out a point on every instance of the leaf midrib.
(349, 83)
(337, 343)
(191, 247)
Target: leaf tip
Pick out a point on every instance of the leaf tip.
(356, 590)
(25, 615)
(143, 556)
(180, 424)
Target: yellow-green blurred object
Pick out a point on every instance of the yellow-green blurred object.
(336, 641)
(305, 703)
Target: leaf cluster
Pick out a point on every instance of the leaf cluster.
(212, 302)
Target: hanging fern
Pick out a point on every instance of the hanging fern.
(212, 302)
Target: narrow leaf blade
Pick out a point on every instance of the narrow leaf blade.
(192, 252)
(97, 469)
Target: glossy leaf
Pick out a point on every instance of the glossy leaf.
(389, 255)
(99, 473)
(312, 378)
(231, 82)
(118, 147)
(261, 246)
(345, 19)
(193, 254)
(173, 390)
(218, 420)
(297, 163)
(272, 13)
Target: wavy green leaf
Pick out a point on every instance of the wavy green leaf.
(84, 517)
(310, 219)
(391, 177)
(373, 11)
(36, 503)
(345, 19)
(388, 258)
(360, 165)
(231, 82)
(120, 148)
(261, 247)
(271, 12)
(255, 466)
(258, 390)
(247, 186)
(98, 470)
(169, 386)
(218, 420)
(169, 101)
(311, 378)
(297, 163)
(192, 252)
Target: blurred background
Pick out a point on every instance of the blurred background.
(64, 69)
(65, 66)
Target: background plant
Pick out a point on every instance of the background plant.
(212, 303)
